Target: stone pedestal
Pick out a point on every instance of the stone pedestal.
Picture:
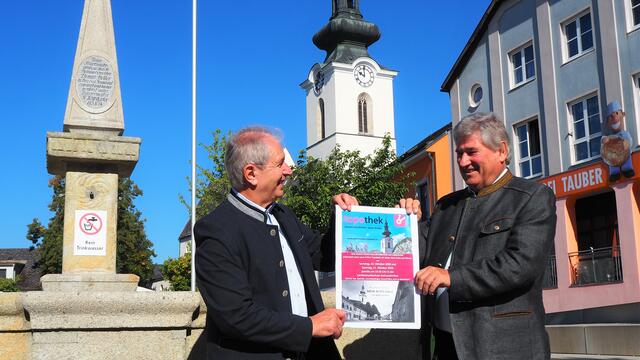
(110, 325)
(89, 282)
(90, 223)
(91, 163)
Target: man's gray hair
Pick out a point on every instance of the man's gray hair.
(488, 125)
(244, 147)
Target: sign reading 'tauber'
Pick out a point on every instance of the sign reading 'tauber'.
(588, 178)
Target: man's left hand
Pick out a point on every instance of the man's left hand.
(345, 201)
(429, 279)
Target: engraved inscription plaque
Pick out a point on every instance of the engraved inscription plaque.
(95, 82)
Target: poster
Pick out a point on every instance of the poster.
(376, 259)
(90, 233)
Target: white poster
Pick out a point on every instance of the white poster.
(90, 233)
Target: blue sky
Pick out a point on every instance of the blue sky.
(251, 59)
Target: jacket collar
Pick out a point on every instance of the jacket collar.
(249, 208)
(502, 181)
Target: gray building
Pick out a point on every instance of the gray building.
(545, 67)
(550, 68)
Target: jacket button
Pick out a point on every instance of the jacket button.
(281, 263)
(285, 293)
(452, 238)
(272, 232)
(496, 227)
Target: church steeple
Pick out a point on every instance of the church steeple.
(347, 35)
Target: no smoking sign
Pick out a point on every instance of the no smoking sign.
(90, 233)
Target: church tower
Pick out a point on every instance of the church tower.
(349, 95)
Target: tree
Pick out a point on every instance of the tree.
(178, 272)
(134, 249)
(48, 239)
(375, 180)
(212, 183)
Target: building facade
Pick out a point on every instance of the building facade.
(553, 70)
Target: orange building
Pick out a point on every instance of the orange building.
(430, 161)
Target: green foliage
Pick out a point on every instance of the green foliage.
(134, 250)
(212, 183)
(178, 272)
(9, 285)
(375, 180)
(48, 239)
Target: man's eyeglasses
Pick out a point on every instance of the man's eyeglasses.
(277, 166)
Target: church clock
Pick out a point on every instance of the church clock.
(364, 75)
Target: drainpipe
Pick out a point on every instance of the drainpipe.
(433, 181)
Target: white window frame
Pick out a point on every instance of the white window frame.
(565, 40)
(629, 15)
(512, 69)
(636, 95)
(588, 137)
(472, 91)
(528, 158)
(10, 271)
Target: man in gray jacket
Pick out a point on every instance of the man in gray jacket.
(485, 253)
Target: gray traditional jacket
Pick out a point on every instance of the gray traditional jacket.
(500, 240)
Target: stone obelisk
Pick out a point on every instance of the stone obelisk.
(92, 153)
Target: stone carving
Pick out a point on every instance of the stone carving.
(95, 84)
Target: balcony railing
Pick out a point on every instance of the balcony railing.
(596, 266)
(550, 280)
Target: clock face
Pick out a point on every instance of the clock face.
(364, 75)
(318, 82)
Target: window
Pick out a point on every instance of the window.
(475, 95)
(6, 272)
(586, 133)
(635, 13)
(578, 35)
(422, 193)
(597, 260)
(321, 123)
(522, 65)
(365, 124)
(362, 115)
(529, 155)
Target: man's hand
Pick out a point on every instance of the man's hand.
(429, 279)
(345, 201)
(412, 206)
(328, 323)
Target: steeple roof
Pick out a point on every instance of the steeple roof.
(347, 35)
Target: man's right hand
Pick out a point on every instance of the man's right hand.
(412, 206)
(328, 322)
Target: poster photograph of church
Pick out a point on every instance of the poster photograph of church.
(377, 259)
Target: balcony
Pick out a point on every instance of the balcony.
(596, 266)
(550, 280)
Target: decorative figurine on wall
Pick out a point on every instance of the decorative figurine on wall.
(616, 144)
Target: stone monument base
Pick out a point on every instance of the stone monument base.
(89, 282)
(109, 325)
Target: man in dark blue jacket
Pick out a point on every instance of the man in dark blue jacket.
(255, 263)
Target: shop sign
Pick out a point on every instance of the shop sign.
(586, 179)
